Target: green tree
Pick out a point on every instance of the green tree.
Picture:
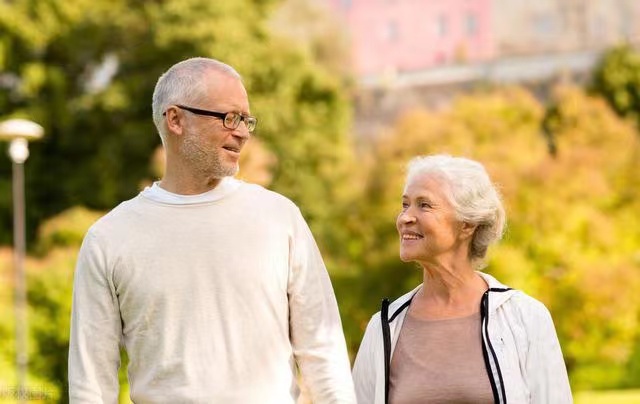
(576, 225)
(487, 126)
(86, 70)
(617, 79)
(572, 239)
(50, 280)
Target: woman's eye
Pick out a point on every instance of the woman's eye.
(404, 205)
(425, 205)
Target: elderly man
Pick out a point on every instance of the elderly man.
(214, 286)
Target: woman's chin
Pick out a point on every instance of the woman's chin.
(406, 257)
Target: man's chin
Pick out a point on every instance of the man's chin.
(229, 171)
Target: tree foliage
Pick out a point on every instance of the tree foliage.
(85, 70)
(617, 79)
(572, 239)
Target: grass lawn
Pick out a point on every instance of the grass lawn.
(607, 397)
(581, 397)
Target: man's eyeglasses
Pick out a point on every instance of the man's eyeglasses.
(230, 120)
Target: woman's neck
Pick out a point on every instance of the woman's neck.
(448, 292)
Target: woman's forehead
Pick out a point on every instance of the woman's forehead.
(426, 183)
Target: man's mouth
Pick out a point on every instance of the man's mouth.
(234, 149)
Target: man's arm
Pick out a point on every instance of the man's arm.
(316, 331)
(94, 347)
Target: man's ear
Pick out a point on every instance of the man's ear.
(174, 120)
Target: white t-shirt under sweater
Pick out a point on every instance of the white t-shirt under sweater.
(215, 298)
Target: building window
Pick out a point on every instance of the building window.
(391, 31)
(442, 26)
(597, 29)
(544, 25)
(471, 24)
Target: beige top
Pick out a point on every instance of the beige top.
(439, 361)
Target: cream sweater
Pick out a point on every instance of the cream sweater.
(215, 297)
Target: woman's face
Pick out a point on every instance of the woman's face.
(427, 224)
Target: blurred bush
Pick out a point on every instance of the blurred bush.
(65, 230)
(617, 80)
(569, 170)
(573, 237)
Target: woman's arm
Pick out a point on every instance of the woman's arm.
(364, 367)
(546, 370)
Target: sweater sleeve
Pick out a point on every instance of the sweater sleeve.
(94, 346)
(546, 370)
(316, 331)
(364, 367)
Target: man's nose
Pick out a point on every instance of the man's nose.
(241, 131)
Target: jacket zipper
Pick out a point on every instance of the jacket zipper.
(386, 338)
(489, 354)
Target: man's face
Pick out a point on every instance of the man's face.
(210, 147)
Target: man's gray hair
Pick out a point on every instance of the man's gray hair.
(182, 84)
(473, 196)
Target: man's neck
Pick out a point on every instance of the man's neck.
(180, 177)
(188, 185)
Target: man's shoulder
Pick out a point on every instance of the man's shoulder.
(116, 216)
(266, 195)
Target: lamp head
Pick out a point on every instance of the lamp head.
(20, 128)
(19, 132)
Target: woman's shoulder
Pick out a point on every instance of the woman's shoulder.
(394, 307)
(515, 299)
(527, 302)
(402, 301)
(532, 312)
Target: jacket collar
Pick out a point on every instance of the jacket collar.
(497, 299)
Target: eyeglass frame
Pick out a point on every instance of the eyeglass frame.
(223, 116)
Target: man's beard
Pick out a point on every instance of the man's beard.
(206, 162)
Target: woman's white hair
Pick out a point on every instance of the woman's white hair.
(473, 196)
(182, 84)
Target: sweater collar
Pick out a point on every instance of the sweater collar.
(158, 194)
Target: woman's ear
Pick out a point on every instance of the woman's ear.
(468, 229)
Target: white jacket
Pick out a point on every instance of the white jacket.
(519, 343)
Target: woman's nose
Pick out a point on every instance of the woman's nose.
(406, 217)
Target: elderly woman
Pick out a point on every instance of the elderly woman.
(461, 336)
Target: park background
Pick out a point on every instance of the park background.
(565, 154)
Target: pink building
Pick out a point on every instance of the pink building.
(389, 36)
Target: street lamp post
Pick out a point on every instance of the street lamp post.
(18, 132)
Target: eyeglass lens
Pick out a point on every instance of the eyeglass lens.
(232, 121)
